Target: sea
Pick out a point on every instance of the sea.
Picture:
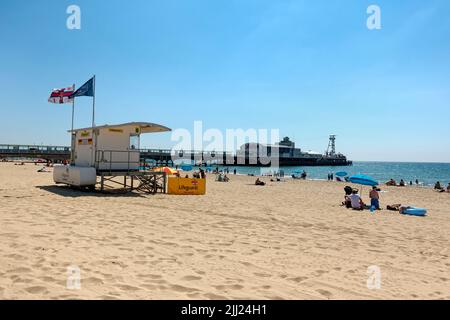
(426, 173)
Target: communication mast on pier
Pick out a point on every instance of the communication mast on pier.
(331, 150)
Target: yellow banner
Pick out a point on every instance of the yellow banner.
(116, 130)
(186, 186)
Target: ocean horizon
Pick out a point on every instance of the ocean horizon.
(427, 173)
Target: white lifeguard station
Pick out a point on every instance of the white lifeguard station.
(108, 152)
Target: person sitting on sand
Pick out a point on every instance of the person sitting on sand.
(437, 186)
(348, 190)
(374, 198)
(304, 175)
(226, 179)
(356, 201)
(448, 188)
(347, 202)
(259, 182)
(402, 183)
(391, 182)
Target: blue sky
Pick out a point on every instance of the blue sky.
(307, 68)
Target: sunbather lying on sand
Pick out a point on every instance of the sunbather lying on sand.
(391, 182)
(398, 207)
(259, 182)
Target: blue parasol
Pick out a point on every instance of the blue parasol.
(341, 174)
(363, 180)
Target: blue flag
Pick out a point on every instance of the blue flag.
(86, 89)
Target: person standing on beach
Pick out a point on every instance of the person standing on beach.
(374, 198)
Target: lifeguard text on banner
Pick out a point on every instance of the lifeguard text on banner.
(186, 186)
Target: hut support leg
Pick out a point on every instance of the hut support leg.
(102, 183)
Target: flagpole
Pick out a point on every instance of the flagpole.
(93, 107)
(71, 133)
(94, 137)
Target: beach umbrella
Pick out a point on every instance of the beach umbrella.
(186, 167)
(363, 180)
(167, 170)
(341, 174)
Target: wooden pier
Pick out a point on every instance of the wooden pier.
(158, 157)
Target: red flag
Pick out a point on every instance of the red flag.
(62, 95)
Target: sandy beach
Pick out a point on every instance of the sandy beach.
(286, 240)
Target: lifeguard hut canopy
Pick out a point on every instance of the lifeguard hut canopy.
(145, 127)
(111, 147)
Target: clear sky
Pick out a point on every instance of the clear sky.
(309, 68)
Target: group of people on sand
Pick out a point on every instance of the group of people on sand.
(402, 183)
(439, 188)
(353, 200)
(222, 177)
(393, 183)
(200, 174)
(302, 176)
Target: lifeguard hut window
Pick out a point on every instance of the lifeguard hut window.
(134, 142)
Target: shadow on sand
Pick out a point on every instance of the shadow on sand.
(67, 191)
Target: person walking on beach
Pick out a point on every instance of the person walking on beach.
(202, 173)
(374, 198)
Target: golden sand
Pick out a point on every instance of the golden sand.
(286, 240)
